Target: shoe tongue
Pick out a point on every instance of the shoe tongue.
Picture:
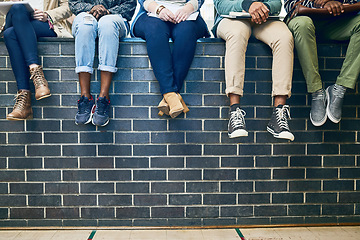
(320, 92)
(84, 99)
(103, 99)
(279, 106)
(339, 90)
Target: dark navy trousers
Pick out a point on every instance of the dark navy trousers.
(20, 35)
(170, 67)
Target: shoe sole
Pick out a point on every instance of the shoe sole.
(238, 133)
(42, 97)
(90, 118)
(106, 123)
(331, 117)
(19, 119)
(176, 113)
(283, 135)
(318, 124)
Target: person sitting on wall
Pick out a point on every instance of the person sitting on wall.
(274, 33)
(156, 23)
(336, 26)
(21, 31)
(107, 20)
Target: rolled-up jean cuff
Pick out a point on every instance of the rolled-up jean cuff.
(84, 69)
(234, 90)
(107, 68)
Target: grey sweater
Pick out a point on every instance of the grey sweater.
(124, 7)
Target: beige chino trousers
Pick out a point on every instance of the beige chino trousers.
(275, 34)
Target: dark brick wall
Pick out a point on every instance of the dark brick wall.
(145, 170)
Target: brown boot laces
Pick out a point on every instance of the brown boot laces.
(38, 77)
(20, 99)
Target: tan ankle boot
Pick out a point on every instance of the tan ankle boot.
(22, 109)
(163, 108)
(41, 85)
(175, 104)
(186, 109)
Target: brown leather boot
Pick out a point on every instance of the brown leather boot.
(41, 85)
(22, 109)
(175, 104)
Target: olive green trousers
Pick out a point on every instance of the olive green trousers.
(336, 28)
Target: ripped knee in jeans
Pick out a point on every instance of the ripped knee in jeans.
(88, 20)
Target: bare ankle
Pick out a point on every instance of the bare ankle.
(88, 95)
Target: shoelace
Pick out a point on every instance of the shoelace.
(102, 107)
(281, 117)
(339, 91)
(318, 95)
(38, 77)
(82, 103)
(20, 100)
(237, 118)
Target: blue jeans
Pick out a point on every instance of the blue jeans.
(109, 29)
(20, 35)
(170, 68)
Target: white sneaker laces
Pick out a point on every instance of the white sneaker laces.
(237, 118)
(281, 117)
(339, 91)
(318, 95)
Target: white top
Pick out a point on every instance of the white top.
(176, 2)
(38, 4)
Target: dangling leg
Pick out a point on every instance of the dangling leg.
(85, 32)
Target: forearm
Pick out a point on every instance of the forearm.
(151, 6)
(274, 6)
(227, 6)
(195, 4)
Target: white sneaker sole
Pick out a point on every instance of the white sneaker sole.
(106, 123)
(318, 124)
(238, 133)
(283, 135)
(90, 118)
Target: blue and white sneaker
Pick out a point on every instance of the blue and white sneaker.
(101, 114)
(86, 107)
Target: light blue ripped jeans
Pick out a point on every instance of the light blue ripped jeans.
(109, 29)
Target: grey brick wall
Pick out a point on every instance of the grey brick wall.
(145, 170)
